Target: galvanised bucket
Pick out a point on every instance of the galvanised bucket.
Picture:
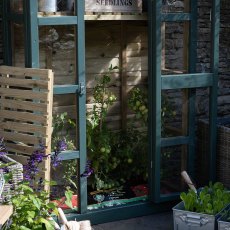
(47, 5)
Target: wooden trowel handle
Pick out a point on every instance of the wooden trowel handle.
(187, 179)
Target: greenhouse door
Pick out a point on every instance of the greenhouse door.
(39, 32)
(173, 93)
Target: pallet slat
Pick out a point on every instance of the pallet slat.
(30, 72)
(23, 94)
(24, 105)
(20, 148)
(23, 127)
(28, 139)
(23, 116)
(30, 83)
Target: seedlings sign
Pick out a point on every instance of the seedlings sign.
(113, 6)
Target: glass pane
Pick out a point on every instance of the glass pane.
(118, 157)
(174, 113)
(1, 42)
(204, 38)
(16, 6)
(117, 153)
(18, 45)
(202, 132)
(64, 136)
(65, 5)
(174, 47)
(64, 174)
(174, 6)
(64, 121)
(173, 162)
(57, 43)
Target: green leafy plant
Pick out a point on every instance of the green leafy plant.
(138, 103)
(210, 200)
(116, 156)
(99, 137)
(31, 209)
(62, 125)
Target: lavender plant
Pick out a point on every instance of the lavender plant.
(31, 206)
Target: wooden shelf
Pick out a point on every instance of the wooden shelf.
(124, 17)
(100, 16)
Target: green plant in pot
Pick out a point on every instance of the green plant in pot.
(99, 136)
(32, 209)
(199, 210)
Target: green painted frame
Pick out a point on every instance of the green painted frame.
(191, 81)
(156, 84)
(31, 23)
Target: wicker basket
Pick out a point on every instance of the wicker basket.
(222, 153)
(17, 175)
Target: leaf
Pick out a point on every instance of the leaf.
(24, 228)
(31, 214)
(2, 165)
(68, 201)
(25, 187)
(36, 202)
(47, 223)
(51, 205)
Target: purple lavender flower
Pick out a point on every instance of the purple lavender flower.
(31, 168)
(3, 150)
(88, 170)
(61, 145)
(55, 158)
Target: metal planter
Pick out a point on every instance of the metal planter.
(222, 223)
(186, 220)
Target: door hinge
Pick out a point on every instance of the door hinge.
(81, 88)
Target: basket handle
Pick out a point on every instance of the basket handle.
(194, 220)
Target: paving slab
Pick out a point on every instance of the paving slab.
(162, 221)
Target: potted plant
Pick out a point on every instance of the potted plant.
(200, 209)
(224, 221)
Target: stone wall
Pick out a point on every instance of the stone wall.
(224, 64)
(1, 48)
(174, 54)
(204, 52)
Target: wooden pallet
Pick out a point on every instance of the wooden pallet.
(26, 99)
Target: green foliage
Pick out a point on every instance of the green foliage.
(116, 156)
(31, 209)
(62, 125)
(99, 137)
(138, 103)
(68, 196)
(210, 200)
